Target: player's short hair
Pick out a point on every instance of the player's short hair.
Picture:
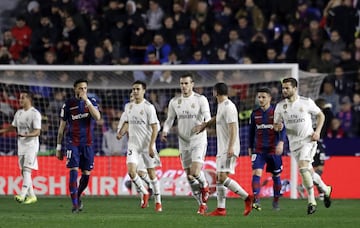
(29, 94)
(81, 80)
(186, 75)
(290, 80)
(264, 90)
(221, 88)
(139, 82)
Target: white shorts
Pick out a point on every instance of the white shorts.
(190, 154)
(306, 152)
(225, 164)
(143, 160)
(28, 160)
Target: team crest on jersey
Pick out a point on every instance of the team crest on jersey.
(285, 107)
(301, 109)
(131, 106)
(142, 112)
(192, 105)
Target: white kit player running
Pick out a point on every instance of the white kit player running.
(27, 123)
(228, 149)
(295, 112)
(141, 169)
(142, 125)
(190, 109)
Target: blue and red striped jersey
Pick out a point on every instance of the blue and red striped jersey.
(262, 136)
(80, 124)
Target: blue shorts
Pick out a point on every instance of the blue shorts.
(80, 156)
(273, 162)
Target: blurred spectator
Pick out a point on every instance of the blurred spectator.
(113, 11)
(84, 48)
(343, 84)
(348, 63)
(195, 32)
(50, 58)
(172, 59)
(222, 57)
(329, 94)
(356, 114)
(22, 35)
(88, 7)
(100, 57)
(271, 55)
(71, 31)
(325, 64)
(253, 14)
(286, 49)
(182, 48)
(336, 131)
(344, 19)
(235, 46)
(203, 16)
(33, 14)
(154, 17)
(316, 33)
(111, 146)
(5, 56)
(305, 13)
(245, 31)
(119, 34)
(197, 58)
(25, 58)
(168, 31)
(345, 115)
(206, 46)
(226, 16)
(219, 34)
(335, 45)
(180, 16)
(256, 50)
(306, 54)
(110, 50)
(159, 47)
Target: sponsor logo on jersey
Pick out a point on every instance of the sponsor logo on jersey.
(79, 116)
(264, 126)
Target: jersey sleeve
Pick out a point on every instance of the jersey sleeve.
(313, 108)
(37, 120)
(278, 115)
(205, 108)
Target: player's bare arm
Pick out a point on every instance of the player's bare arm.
(278, 126)
(320, 118)
(34, 133)
(232, 135)
(7, 129)
(123, 130)
(279, 148)
(154, 128)
(200, 128)
(60, 136)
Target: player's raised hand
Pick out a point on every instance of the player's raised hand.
(83, 95)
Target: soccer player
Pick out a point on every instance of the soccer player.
(27, 123)
(142, 125)
(265, 147)
(141, 169)
(294, 113)
(78, 114)
(190, 109)
(228, 149)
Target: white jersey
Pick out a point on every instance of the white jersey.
(190, 112)
(226, 114)
(297, 119)
(25, 122)
(140, 117)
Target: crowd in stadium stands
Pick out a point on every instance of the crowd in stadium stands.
(321, 35)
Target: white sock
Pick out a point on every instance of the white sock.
(27, 182)
(221, 195)
(195, 189)
(156, 188)
(146, 179)
(319, 182)
(235, 187)
(202, 180)
(139, 185)
(308, 183)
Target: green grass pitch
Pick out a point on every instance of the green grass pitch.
(177, 212)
